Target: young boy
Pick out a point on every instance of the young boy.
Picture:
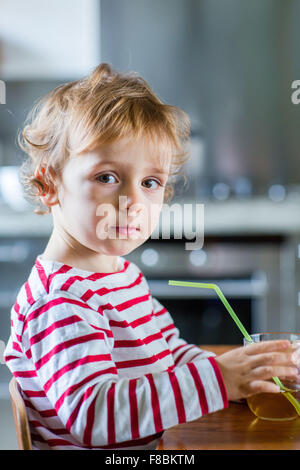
(99, 361)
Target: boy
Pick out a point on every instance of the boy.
(99, 360)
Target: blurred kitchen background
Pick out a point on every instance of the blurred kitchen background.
(230, 66)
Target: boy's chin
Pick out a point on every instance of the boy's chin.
(125, 246)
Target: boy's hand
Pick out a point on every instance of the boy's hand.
(248, 370)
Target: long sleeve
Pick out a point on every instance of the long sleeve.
(71, 349)
(182, 351)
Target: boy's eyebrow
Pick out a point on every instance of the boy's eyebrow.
(112, 162)
(158, 170)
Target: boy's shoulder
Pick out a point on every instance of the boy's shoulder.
(52, 284)
(51, 279)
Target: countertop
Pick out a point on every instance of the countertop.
(253, 216)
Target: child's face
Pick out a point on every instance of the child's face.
(90, 207)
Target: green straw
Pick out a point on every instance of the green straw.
(243, 330)
(222, 298)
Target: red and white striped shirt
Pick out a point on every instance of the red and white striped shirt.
(100, 362)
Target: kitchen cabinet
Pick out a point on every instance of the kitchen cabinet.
(49, 40)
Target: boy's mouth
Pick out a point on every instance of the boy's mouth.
(127, 230)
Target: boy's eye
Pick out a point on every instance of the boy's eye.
(106, 178)
(153, 180)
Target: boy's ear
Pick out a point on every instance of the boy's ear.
(49, 194)
(50, 199)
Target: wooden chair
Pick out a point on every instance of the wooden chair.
(20, 416)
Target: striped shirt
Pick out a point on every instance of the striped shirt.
(101, 364)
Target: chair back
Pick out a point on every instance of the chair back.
(20, 416)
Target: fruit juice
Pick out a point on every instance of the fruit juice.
(273, 406)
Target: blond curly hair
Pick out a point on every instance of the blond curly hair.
(83, 114)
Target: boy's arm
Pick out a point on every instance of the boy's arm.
(182, 351)
(70, 346)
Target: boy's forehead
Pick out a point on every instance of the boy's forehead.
(154, 154)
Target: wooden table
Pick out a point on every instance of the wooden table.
(235, 428)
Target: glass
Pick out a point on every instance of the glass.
(275, 406)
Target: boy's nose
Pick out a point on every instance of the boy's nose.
(129, 204)
(129, 194)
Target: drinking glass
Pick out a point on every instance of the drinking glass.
(276, 406)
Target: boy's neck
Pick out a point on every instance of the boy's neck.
(59, 250)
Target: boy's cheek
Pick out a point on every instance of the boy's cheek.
(153, 222)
